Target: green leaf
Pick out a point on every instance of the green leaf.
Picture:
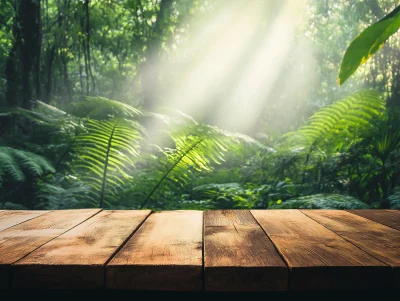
(367, 43)
(343, 119)
(104, 155)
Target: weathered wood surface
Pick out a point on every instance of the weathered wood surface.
(15, 217)
(374, 238)
(318, 258)
(76, 259)
(20, 240)
(390, 218)
(164, 254)
(257, 250)
(238, 256)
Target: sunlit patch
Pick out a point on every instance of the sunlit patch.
(242, 45)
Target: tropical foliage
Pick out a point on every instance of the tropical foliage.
(112, 104)
(367, 43)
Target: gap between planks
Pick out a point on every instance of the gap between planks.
(32, 234)
(56, 264)
(318, 258)
(11, 218)
(239, 256)
(237, 230)
(380, 241)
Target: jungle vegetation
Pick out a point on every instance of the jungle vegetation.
(191, 104)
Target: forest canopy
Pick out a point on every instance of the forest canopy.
(191, 104)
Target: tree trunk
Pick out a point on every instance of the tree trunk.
(48, 90)
(29, 43)
(88, 43)
(11, 76)
(149, 72)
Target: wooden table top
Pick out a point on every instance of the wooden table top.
(218, 250)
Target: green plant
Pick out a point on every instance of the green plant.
(16, 165)
(341, 121)
(321, 201)
(100, 108)
(105, 153)
(228, 195)
(395, 199)
(196, 147)
(57, 194)
(367, 43)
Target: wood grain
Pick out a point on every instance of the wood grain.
(390, 218)
(20, 240)
(76, 259)
(374, 238)
(164, 254)
(11, 218)
(318, 258)
(238, 255)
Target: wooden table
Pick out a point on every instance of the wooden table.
(221, 250)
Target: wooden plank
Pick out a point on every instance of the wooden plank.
(390, 218)
(10, 218)
(238, 255)
(164, 254)
(77, 258)
(20, 240)
(318, 258)
(376, 239)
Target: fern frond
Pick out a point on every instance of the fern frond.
(12, 206)
(102, 108)
(321, 201)
(48, 116)
(345, 118)
(16, 164)
(197, 147)
(54, 196)
(105, 155)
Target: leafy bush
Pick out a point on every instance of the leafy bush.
(321, 201)
(16, 165)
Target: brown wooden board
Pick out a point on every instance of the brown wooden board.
(11, 218)
(20, 240)
(164, 254)
(238, 255)
(390, 218)
(374, 238)
(318, 258)
(77, 258)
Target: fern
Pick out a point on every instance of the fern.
(395, 199)
(12, 206)
(197, 147)
(101, 108)
(345, 118)
(50, 120)
(53, 196)
(16, 164)
(321, 201)
(105, 154)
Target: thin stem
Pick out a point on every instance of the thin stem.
(104, 180)
(169, 171)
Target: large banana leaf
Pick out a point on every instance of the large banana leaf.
(367, 43)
